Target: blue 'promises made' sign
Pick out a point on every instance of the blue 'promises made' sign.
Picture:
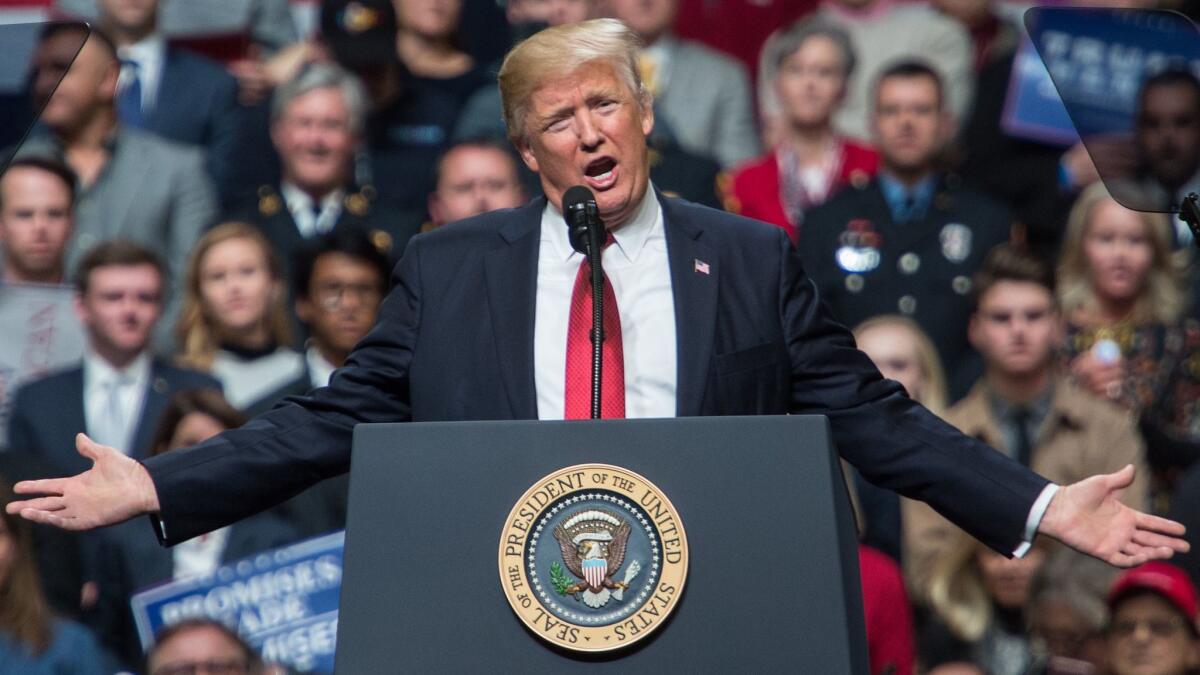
(283, 602)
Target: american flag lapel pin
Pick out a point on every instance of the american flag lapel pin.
(701, 267)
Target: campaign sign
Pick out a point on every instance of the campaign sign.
(1032, 109)
(1098, 59)
(283, 602)
(41, 334)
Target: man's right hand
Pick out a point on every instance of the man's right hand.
(115, 489)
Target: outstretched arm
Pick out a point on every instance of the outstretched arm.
(115, 489)
(1089, 517)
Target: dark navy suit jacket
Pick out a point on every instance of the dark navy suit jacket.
(455, 340)
(47, 413)
(197, 105)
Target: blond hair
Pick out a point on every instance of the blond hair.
(1161, 298)
(197, 333)
(933, 395)
(559, 51)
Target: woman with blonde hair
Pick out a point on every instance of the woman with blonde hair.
(978, 598)
(904, 353)
(1122, 297)
(32, 640)
(234, 322)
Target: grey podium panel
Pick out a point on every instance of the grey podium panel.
(773, 581)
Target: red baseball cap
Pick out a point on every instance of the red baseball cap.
(1158, 577)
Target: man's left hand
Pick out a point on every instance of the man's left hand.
(1089, 517)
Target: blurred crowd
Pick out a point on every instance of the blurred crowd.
(206, 212)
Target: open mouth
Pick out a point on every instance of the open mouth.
(601, 173)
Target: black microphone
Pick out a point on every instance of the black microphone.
(582, 215)
(587, 235)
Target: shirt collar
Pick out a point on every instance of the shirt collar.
(97, 371)
(319, 368)
(149, 49)
(896, 192)
(299, 200)
(630, 238)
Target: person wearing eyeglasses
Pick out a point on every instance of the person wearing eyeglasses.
(339, 282)
(1153, 628)
(196, 646)
(234, 322)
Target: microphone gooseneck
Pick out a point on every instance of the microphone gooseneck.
(587, 234)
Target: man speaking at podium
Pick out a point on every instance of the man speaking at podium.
(709, 314)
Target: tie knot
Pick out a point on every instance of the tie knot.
(1020, 414)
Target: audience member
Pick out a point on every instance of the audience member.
(474, 177)
(1022, 406)
(1122, 300)
(887, 614)
(36, 200)
(977, 597)
(235, 323)
(171, 92)
(709, 21)
(1167, 129)
(266, 25)
(120, 389)
(201, 645)
(1067, 614)
(317, 126)
(132, 184)
(427, 46)
(902, 352)
(701, 97)
(481, 116)
(32, 640)
(1153, 628)
(910, 239)
(1185, 508)
(340, 282)
(885, 32)
(808, 66)
(132, 559)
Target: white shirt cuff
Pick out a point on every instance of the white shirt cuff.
(1035, 519)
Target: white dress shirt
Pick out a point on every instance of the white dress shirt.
(640, 273)
(319, 368)
(200, 555)
(300, 205)
(149, 54)
(112, 421)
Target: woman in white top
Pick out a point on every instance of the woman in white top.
(234, 322)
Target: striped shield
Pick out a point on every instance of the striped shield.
(594, 570)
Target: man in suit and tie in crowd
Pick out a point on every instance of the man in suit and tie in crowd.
(711, 314)
(131, 184)
(170, 92)
(317, 123)
(120, 388)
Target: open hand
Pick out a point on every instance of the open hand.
(115, 489)
(1089, 517)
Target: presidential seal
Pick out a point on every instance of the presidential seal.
(593, 558)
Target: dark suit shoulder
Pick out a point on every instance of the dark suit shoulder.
(198, 66)
(729, 228)
(51, 385)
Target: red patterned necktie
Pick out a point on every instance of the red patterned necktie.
(578, 390)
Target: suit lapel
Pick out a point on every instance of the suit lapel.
(695, 274)
(153, 403)
(170, 90)
(76, 418)
(511, 273)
